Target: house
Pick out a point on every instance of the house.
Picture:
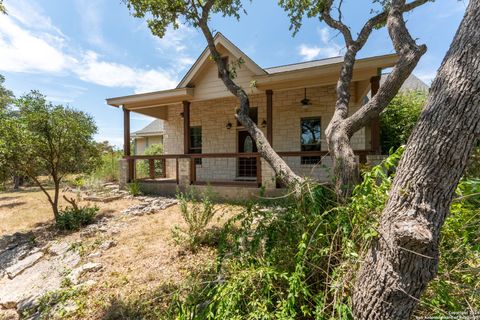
(204, 143)
(413, 83)
(151, 134)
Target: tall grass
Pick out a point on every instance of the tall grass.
(108, 171)
(299, 261)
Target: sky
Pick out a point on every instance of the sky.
(80, 52)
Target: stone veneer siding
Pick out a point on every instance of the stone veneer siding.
(213, 115)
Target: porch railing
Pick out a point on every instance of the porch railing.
(244, 169)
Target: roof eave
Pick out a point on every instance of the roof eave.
(166, 96)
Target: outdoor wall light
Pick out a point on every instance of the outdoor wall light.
(264, 123)
(229, 125)
(181, 115)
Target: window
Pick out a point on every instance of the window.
(225, 60)
(196, 142)
(253, 113)
(310, 138)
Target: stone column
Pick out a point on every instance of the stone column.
(268, 176)
(123, 176)
(183, 172)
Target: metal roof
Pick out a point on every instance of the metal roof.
(303, 65)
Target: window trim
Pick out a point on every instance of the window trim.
(196, 150)
(311, 160)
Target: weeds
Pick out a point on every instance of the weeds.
(197, 214)
(74, 218)
(134, 189)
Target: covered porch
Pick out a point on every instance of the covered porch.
(226, 158)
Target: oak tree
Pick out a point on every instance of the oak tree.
(404, 258)
(40, 139)
(343, 124)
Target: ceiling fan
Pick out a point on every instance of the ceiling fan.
(305, 102)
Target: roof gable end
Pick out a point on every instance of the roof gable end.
(203, 59)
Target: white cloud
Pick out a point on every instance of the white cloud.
(175, 39)
(28, 47)
(31, 15)
(23, 51)
(173, 45)
(111, 74)
(327, 49)
(309, 53)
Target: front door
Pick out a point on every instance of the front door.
(246, 166)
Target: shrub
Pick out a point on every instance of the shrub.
(399, 119)
(296, 261)
(108, 170)
(143, 167)
(72, 218)
(134, 188)
(197, 214)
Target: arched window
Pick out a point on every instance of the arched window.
(248, 145)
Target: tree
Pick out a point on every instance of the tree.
(6, 98)
(404, 258)
(342, 126)
(399, 119)
(45, 139)
(163, 13)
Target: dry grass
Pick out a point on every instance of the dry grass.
(144, 259)
(29, 208)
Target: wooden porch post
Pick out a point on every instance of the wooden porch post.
(269, 116)
(375, 124)
(186, 127)
(126, 142)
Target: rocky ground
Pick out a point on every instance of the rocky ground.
(31, 266)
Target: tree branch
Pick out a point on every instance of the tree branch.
(409, 52)
(281, 169)
(336, 24)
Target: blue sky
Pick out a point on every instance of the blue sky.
(79, 52)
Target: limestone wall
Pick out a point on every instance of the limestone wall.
(213, 116)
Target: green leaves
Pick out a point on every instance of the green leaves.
(399, 119)
(39, 138)
(160, 14)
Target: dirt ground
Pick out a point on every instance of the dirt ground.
(29, 208)
(144, 258)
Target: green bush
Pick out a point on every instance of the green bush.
(299, 261)
(74, 218)
(456, 286)
(399, 119)
(134, 188)
(143, 167)
(473, 167)
(197, 212)
(108, 170)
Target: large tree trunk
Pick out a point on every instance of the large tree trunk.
(404, 259)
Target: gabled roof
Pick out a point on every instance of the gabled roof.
(304, 65)
(203, 59)
(413, 83)
(298, 75)
(154, 128)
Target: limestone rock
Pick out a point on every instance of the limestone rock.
(107, 245)
(58, 248)
(75, 275)
(27, 262)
